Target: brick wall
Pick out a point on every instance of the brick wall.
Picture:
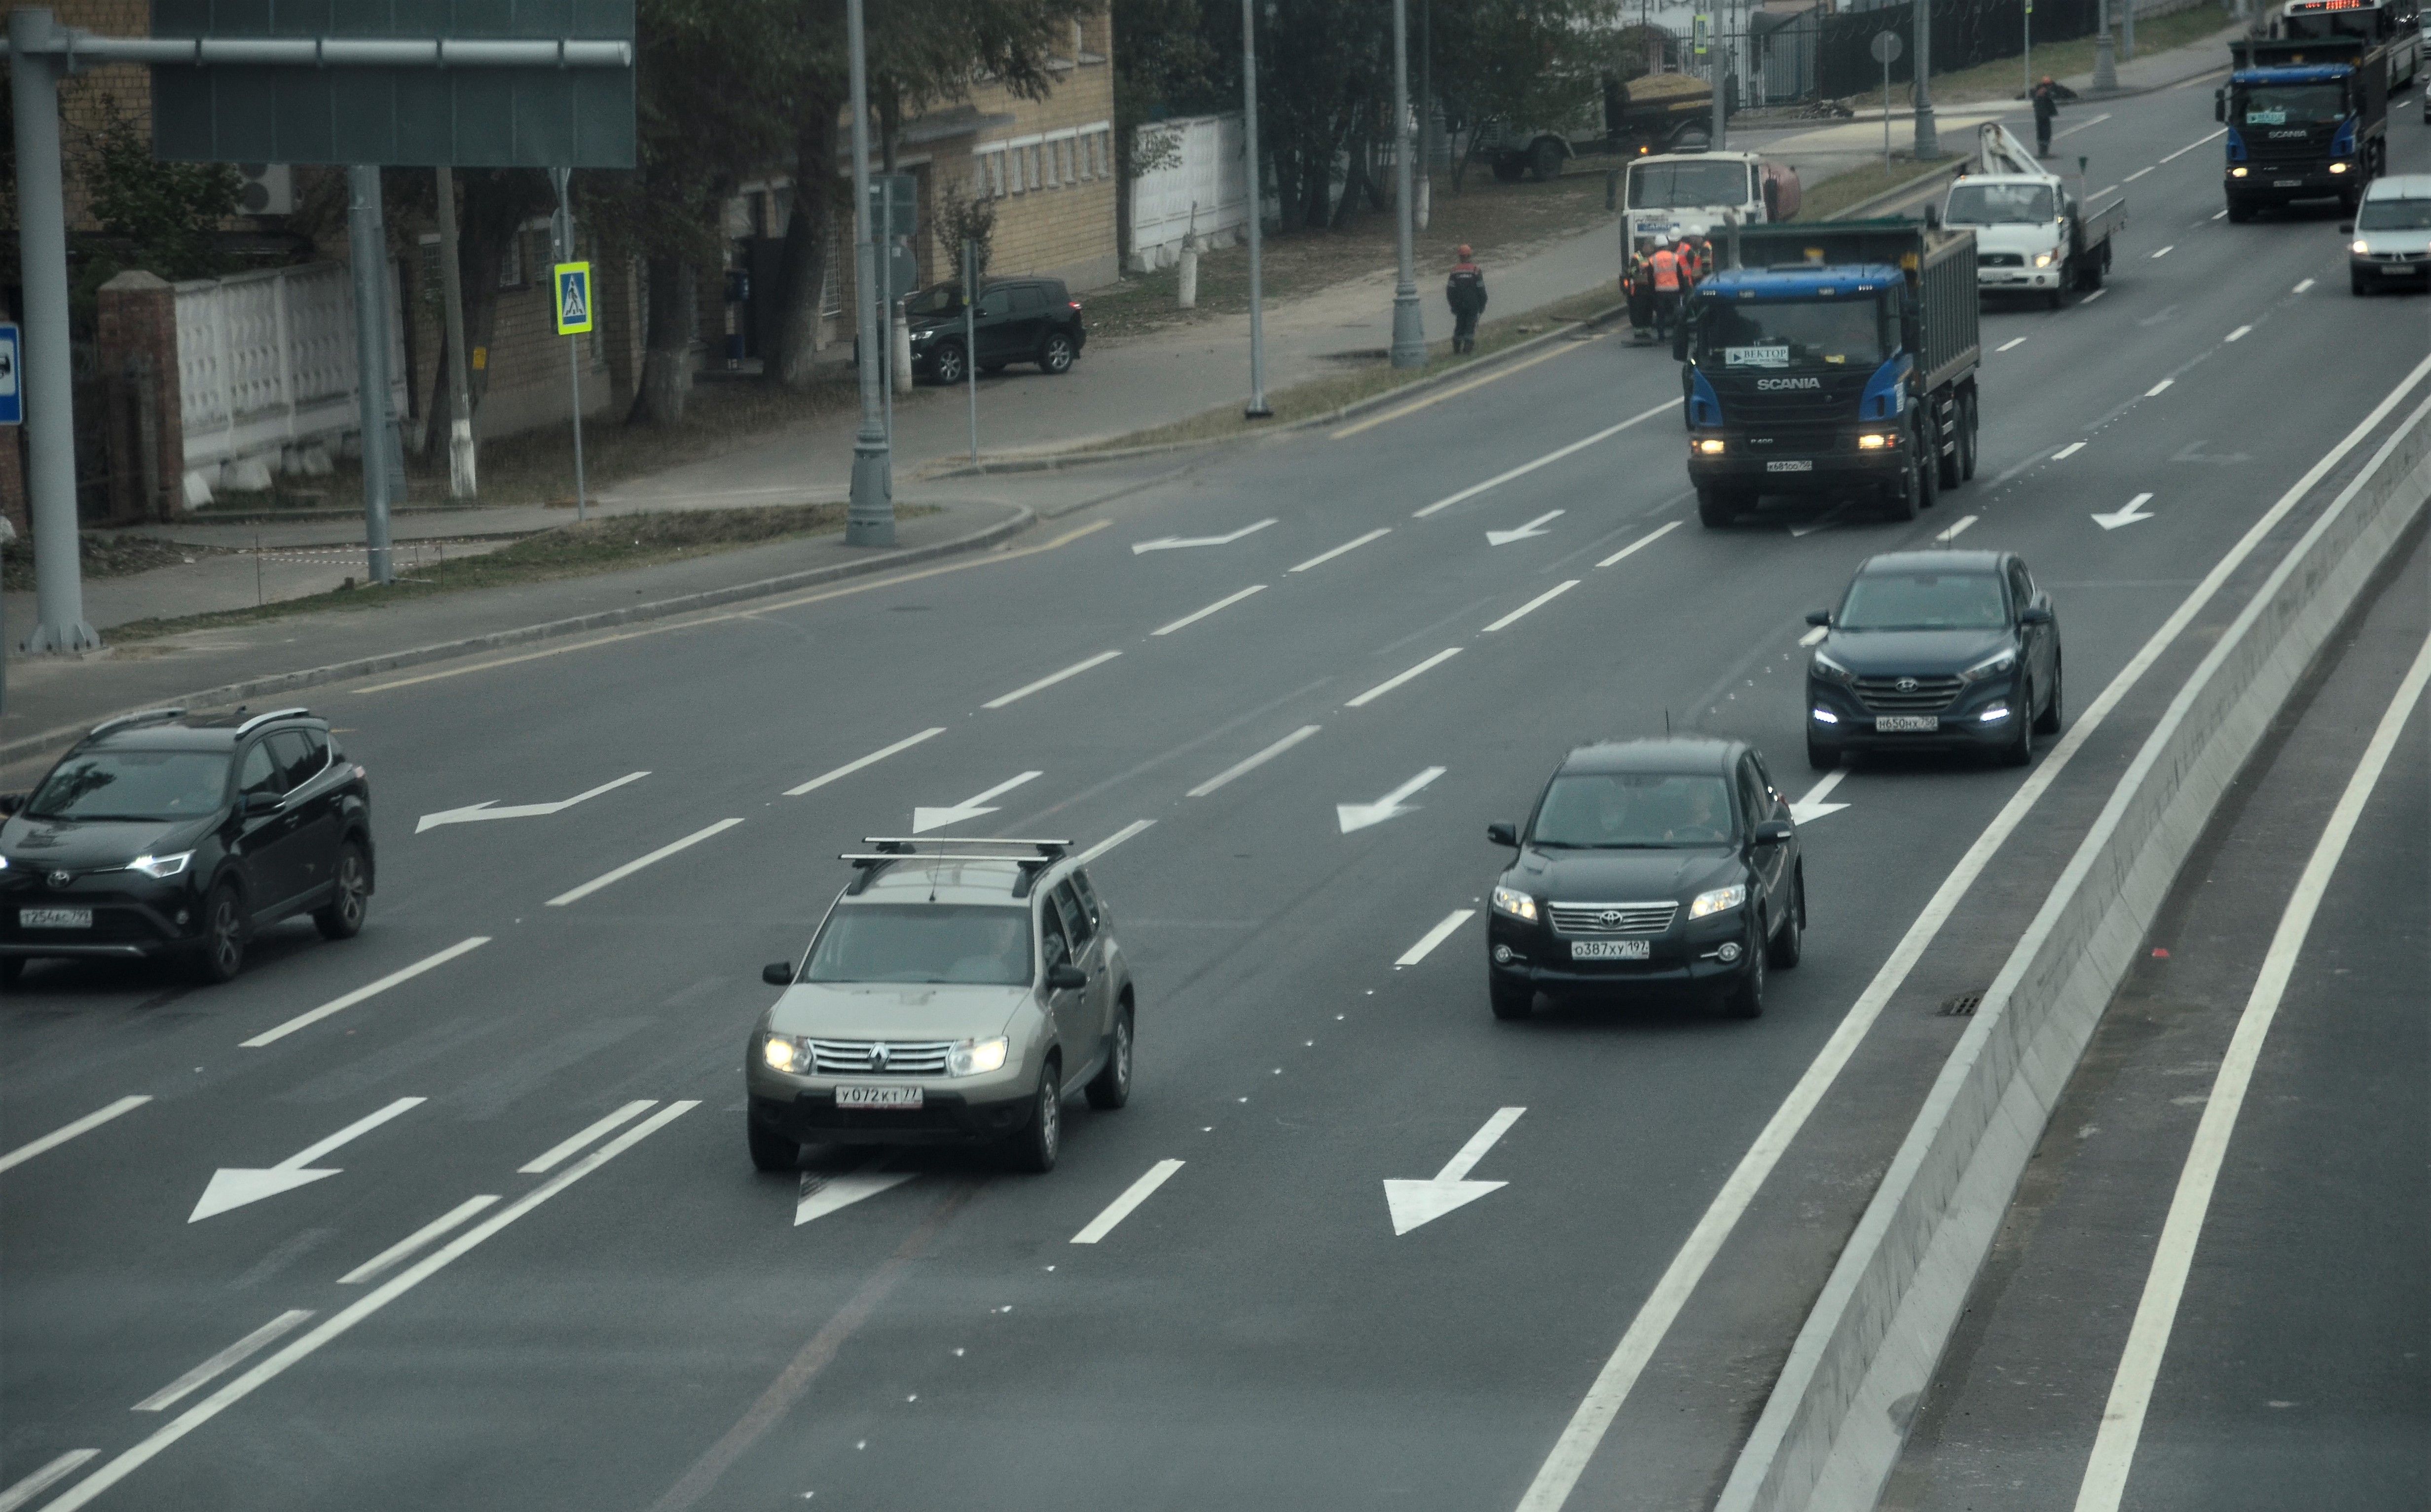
(81, 98)
(135, 345)
(526, 365)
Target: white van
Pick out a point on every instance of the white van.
(1695, 195)
(2392, 234)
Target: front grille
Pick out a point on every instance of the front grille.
(1613, 919)
(1779, 408)
(1922, 696)
(2000, 260)
(852, 1057)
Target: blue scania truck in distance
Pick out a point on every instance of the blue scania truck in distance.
(1833, 359)
(2307, 119)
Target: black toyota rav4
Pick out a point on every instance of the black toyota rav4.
(157, 835)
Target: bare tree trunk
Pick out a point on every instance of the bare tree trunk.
(666, 359)
(496, 203)
(802, 267)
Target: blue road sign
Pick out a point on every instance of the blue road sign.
(573, 298)
(12, 393)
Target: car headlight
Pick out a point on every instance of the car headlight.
(160, 867)
(1720, 900)
(1991, 666)
(2360, 247)
(1709, 447)
(2338, 167)
(1829, 670)
(1513, 901)
(2237, 173)
(1872, 440)
(783, 1053)
(976, 1057)
(4, 864)
(2042, 259)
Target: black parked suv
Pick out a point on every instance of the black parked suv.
(1668, 863)
(1937, 650)
(1019, 320)
(157, 835)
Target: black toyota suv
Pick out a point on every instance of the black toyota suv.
(158, 835)
(1019, 320)
(1668, 863)
(1935, 650)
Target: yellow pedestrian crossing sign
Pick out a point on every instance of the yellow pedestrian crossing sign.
(573, 298)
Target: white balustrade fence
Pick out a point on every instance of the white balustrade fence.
(266, 361)
(1206, 170)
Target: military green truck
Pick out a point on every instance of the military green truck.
(1658, 112)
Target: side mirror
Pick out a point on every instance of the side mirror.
(2034, 615)
(1820, 616)
(2346, 228)
(2220, 105)
(11, 802)
(1773, 832)
(261, 802)
(778, 973)
(1680, 340)
(1932, 217)
(1503, 834)
(1911, 331)
(1065, 977)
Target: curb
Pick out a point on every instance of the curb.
(1834, 1424)
(1921, 183)
(1021, 519)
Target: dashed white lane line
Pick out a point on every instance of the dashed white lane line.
(1352, 545)
(1641, 542)
(1242, 768)
(2197, 142)
(2219, 215)
(225, 1361)
(2138, 174)
(2014, 341)
(1546, 461)
(1134, 1195)
(341, 1004)
(1395, 681)
(2106, 189)
(1814, 636)
(611, 878)
(871, 760)
(556, 1154)
(1436, 936)
(69, 1131)
(1530, 606)
(340, 1323)
(2080, 125)
(1198, 615)
(1050, 679)
(43, 1479)
(446, 1222)
(1958, 527)
(2069, 450)
(2167, 250)
(2095, 295)
(2237, 335)
(2302, 286)
(1127, 831)
(2155, 391)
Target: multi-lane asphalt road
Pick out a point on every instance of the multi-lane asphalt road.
(544, 1272)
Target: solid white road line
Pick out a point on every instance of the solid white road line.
(1458, 389)
(1390, 684)
(2197, 142)
(2138, 174)
(1642, 542)
(1814, 636)
(340, 1323)
(1596, 1411)
(429, 1232)
(1530, 606)
(1434, 937)
(1135, 827)
(1052, 679)
(1120, 1208)
(1546, 461)
(2237, 335)
(1958, 527)
(2148, 1337)
(225, 1361)
(2167, 250)
(1198, 615)
(2014, 341)
(2080, 125)
(871, 760)
(557, 1153)
(2155, 391)
(2069, 450)
(69, 1131)
(43, 1479)
(1352, 545)
(1254, 763)
(339, 1004)
(2302, 286)
(609, 878)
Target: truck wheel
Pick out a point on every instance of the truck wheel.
(2088, 276)
(1545, 159)
(1968, 418)
(2238, 214)
(1928, 473)
(1901, 497)
(1717, 506)
(1508, 167)
(1947, 464)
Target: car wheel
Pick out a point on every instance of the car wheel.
(1111, 1086)
(1033, 1147)
(1820, 756)
(342, 917)
(771, 1151)
(1969, 422)
(2021, 749)
(1511, 1000)
(1746, 999)
(1545, 161)
(1789, 942)
(2047, 722)
(1056, 355)
(947, 363)
(221, 954)
(11, 969)
(2357, 286)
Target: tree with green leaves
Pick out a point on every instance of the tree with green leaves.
(1526, 60)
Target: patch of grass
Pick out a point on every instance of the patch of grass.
(1322, 397)
(1855, 187)
(613, 544)
(2005, 79)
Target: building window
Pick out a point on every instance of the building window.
(1035, 155)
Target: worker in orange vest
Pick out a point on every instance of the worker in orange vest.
(1668, 282)
(1687, 253)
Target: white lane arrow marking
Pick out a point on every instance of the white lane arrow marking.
(2126, 516)
(1360, 816)
(923, 820)
(1175, 543)
(1534, 527)
(825, 1194)
(519, 811)
(234, 1186)
(1812, 807)
(1414, 1202)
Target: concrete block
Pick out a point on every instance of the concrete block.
(246, 474)
(198, 488)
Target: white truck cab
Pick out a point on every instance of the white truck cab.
(2031, 234)
(1696, 195)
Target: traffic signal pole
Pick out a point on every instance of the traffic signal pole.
(870, 518)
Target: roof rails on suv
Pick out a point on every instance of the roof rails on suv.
(127, 721)
(261, 719)
(892, 848)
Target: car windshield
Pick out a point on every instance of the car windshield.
(923, 942)
(2394, 215)
(1679, 185)
(1596, 811)
(2291, 103)
(1924, 601)
(1824, 333)
(133, 784)
(944, 299)
(1999, 203)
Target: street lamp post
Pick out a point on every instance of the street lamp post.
(870, 518)
(2105, 65)
(1409, 327)
(1928, 142)
(1256, 409)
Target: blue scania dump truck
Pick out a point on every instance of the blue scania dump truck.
(2307, 119)
(1833, 359)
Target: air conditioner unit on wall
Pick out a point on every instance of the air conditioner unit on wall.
(269, 189)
